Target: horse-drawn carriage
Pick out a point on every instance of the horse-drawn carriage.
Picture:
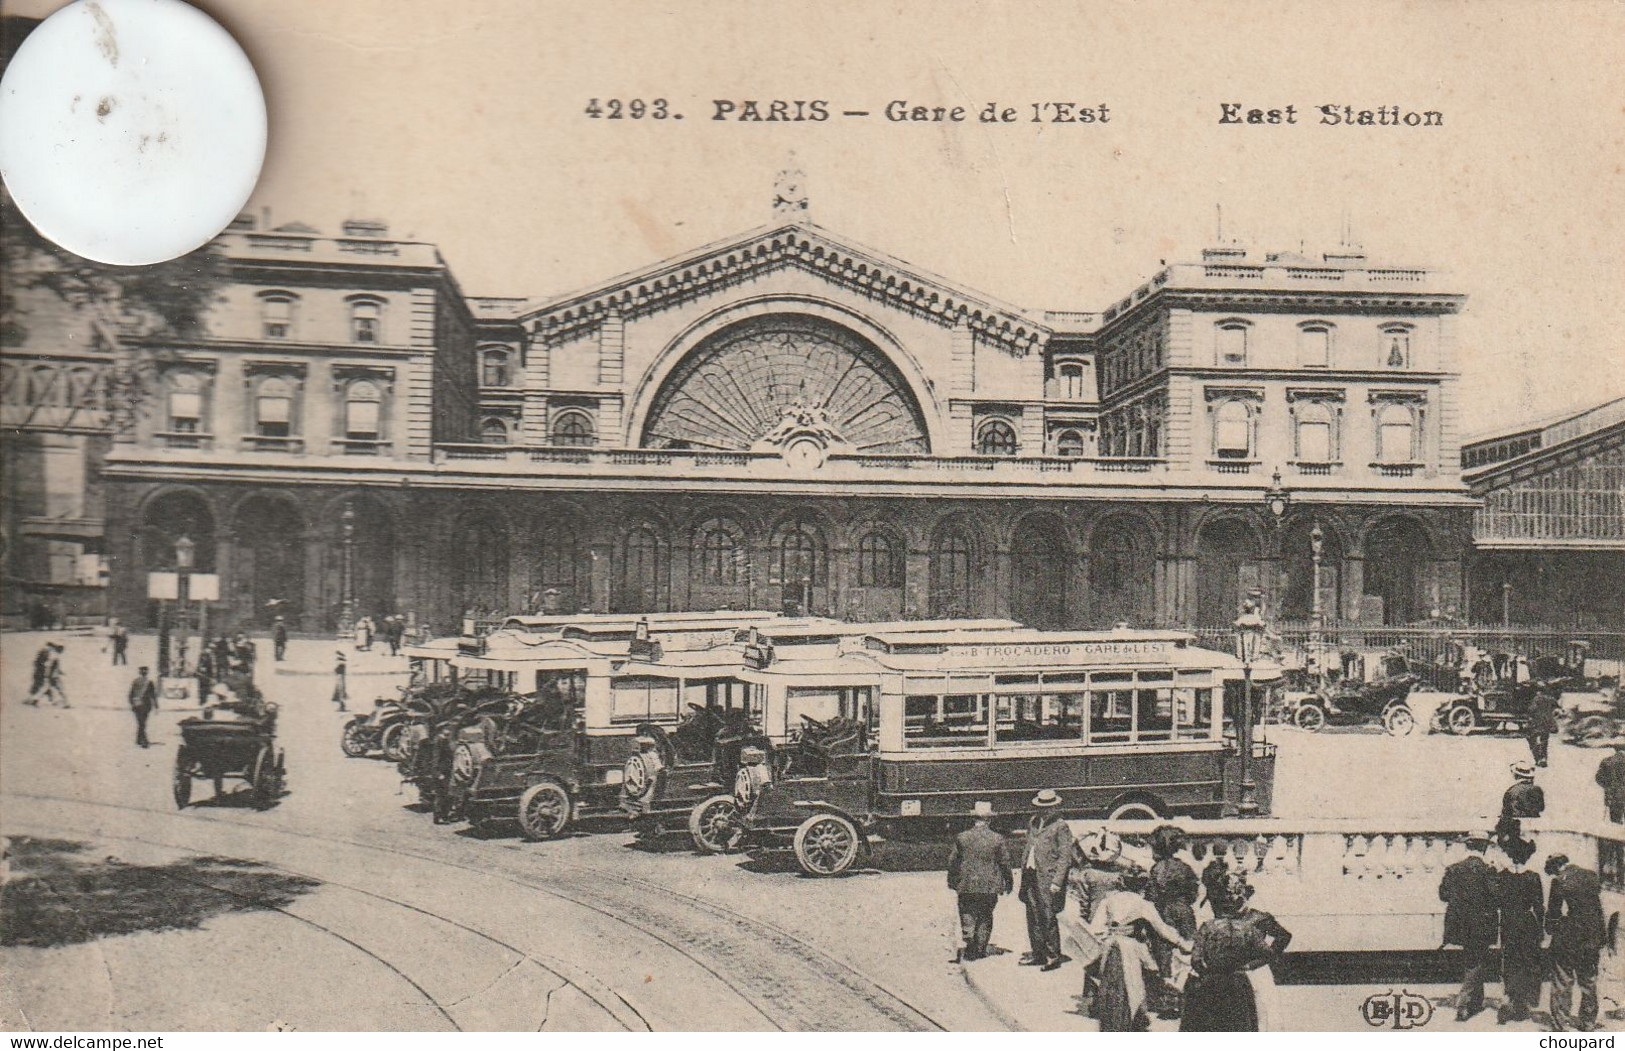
(236, 739)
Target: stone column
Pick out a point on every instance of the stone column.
(601, 554)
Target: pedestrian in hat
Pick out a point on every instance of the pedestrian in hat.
(1523, 919)
(1574, 918)
(143, 699)
(1099, 870)
(1611, 777)
(1542, 724)
(1043, 879)
(1173, 889)
(978, 872)
(1471, 919)
(340, 674)
(120, 638)
(279, 638)
(1523, 799)
(42, 667)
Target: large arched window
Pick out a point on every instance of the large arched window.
(479, 559)
(553, 566)
(717, 553)
(277, 314)
(1314, 433)
(1233, 430)
(1070, 444)
(366, 320)
(496, 367)
(996, 438)
(273, 408)
(643, 571)
(801, 557)
(363, 411)
(1396, 434)
(952, 590)
(573, 428)
(494, 430)
(880, 562)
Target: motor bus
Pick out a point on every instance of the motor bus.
(735, 697)
(1122, 724)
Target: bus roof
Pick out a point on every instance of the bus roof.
(434, 649)
(589, 622)
(1020, 639)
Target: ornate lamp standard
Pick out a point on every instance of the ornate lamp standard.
(185, 553)
(347, 570)
(1249, 641)
(1277, 498)
(1317, 541)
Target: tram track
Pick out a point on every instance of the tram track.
(747, 955)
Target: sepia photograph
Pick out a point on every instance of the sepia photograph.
(850, 517)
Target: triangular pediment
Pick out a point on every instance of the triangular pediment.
(804, 246)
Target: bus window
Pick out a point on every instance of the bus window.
(1155, 721)
(1193, 714)
(756, 697)
(958, 720)
(1028, 717)
(567, 686)
(643, 700)
(918, 712)
(815, 702)
(857, 704)
(1111, 716)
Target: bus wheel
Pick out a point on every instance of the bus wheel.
(715, 827)
(827, 845)
(544, 811)
(1134, 810)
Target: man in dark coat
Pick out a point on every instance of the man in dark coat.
(1471, 919)
(1575, 921)
(1611, 776)
(1542, 724)
(143, 699)
(979, 871)
(1043, 880)
(279, 638)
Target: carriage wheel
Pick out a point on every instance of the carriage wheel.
(353, 740)
(392, 743)
(1398, 720)
(183, 779)
(264, 778)
(827, 845)
(714, 826)
(1461, 720)
(1309, 716)
(544, 811)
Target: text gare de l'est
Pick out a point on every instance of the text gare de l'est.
(902, 111)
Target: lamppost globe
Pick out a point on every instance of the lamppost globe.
(185, 551)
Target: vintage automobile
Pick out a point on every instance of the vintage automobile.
(1123, 724)
(1369, 687)
(383, 730)
(736, 698)
(1502, 688)
(234, 737)
(593, 668)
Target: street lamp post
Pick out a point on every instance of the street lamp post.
(1249, 638)
(185, 552)
(1506, 604)
(347, 570)
(1317, 541)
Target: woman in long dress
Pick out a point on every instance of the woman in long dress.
(1523, 921)
(1230, 988)
(1098, 867)
(1127, 926)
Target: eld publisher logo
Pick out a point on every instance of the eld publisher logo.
(1401, 1010)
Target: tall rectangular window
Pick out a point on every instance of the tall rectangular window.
(1315, 345)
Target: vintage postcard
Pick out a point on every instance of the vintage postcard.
(841, 517)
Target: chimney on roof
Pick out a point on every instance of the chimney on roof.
(365, 228)
(1348, 249)
(1232, 250)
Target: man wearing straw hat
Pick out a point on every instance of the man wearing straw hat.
(979, 871)
(1043, 880)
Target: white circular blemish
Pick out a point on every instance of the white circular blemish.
(131, 131)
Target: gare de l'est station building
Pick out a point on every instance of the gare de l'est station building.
(788, 417)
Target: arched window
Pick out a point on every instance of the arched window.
(366, 316)
(644, 571)
(1070, 444)
(1230, 341)
(1315, 344)
(952, 593)
(363, 410)
(880, 563)
(1396, 346)
(1396, 434)
(494, 430)
(718, 557)
(276, 315)
(1233, 431)
(185, 402)
(574, 428)
(273, 408)
(800, 557)
(1315, 436)
(1071, 377)
(996, 438)
(496, 368)
(553, 563)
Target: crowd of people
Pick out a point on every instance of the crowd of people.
(1148, 941)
